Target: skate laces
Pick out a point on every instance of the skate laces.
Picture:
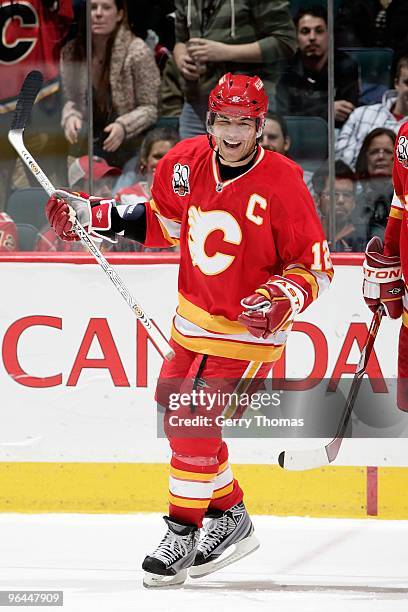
(172, 547)
(215, 532)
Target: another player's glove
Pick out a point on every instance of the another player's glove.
(63, 207)
(382, 279)
(271, 308)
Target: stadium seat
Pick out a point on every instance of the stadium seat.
(375, 71)
(27, 236)
(309, 138)
(27, 206)
(172, 123)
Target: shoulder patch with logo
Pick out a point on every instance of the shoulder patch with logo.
(180, 179)
(402, 151)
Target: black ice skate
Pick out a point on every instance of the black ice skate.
(168, 564)
(228, 537)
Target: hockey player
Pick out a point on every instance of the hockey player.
(385, 266)
(252, 256)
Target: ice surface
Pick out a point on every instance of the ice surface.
(303, 565)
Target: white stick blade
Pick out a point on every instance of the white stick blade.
(299, 460)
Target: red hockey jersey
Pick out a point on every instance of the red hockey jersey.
(31, 39)
(396, 233)
(8, 233)
(234, 236)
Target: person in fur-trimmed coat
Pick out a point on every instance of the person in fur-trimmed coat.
(125, 81)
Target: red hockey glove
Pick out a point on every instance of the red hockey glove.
(382, 279)
(64, 207)
(271, 308)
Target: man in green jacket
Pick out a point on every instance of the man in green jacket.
(218, 36)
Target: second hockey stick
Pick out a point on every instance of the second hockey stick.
(319, 457)
(30, 88)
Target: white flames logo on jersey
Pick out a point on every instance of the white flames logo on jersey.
(180, 179)
(201, 225)
(402, 151)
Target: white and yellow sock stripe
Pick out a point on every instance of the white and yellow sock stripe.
(196, 490)
(224, 481)
(190, 489)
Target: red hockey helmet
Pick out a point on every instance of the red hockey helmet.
(241, 96)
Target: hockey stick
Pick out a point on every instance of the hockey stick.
(319, 457)
(29, 90)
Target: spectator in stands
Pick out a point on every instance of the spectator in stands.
(390, 113)
(135, 186)
(154, 146)
(275, 136)
(103, 176)
(303, 88)
(374, 173)
(125, 82)
(153, 20)
(350, 236)
(215, 37)
(372, 23)
(78, 175)
(171, 95)
(156, 15)
(32, 34)
(8, 233)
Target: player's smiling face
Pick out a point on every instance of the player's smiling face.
(235, 138)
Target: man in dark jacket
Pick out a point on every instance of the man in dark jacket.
(372, 23)
(303, 89)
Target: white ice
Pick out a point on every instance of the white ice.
(303, 565)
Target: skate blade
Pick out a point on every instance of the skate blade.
(239, 550)
(164, 582)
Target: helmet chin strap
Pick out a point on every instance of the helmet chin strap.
(254, 150)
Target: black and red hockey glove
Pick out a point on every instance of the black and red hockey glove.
(63, 207)
(382, 279)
